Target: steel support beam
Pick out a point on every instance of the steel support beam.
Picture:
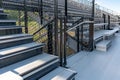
(78, 39)
(65, 34)
(56, 26)
(104, 19)
(19, 17)
(91, 28)
(108, 22)
(50, 38)
(41, 11)
(0, 3)
(25, 17)
(61, 41)
(81, 35)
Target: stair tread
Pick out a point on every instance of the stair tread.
(15, 39)
(59, 73)
(29, 64)
(8, 51)
(13, 36)
(2, 28)
(7, 20)
(10, 76)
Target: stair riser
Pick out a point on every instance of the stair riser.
(7, 23)
(43, 72)
(19, 57)
(10, 31)
(1, 11)
(15, 43)
(2, 17)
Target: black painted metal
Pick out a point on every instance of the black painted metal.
(61, 42)
(65, 34)
(0, 3)
(104, 18)
(41, 11)
(44, 26)
(25, 17)
(50, 38)
(108, 22)
(19, 18)
(81, 35)
(78, 39)
(56, 26)
(91, 28)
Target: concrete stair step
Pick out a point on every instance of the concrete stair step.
(7, 22)
(17, 53)
(14, 41)
(34, 67)
(60, 73)
(9, 30)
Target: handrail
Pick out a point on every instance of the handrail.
(85, 22)
(100, 24)
(43, 27)
(77, 21)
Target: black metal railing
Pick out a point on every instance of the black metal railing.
(41, 18)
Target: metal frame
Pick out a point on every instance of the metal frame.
(61, 42)
(65, 34)
(0, 3)
(25, 17)
(50, 38)
(91, 28)
(56, 26)
(108, 27)
(104, 18)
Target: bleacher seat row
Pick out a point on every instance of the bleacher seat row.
(23, 59)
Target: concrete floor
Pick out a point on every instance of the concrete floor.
(98, 65)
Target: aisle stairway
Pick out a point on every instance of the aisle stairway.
(23, 59)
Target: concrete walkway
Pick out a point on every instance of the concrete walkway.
(98, 65)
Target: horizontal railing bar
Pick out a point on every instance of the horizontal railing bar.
(85, 22)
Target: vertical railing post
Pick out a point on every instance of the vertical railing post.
(61, 42)
(81, 35)
(91, 28)
(104, 19)
(41, 11)
(108, 22)
(50, 38)
(65, 35)
(25, 16)
(0, 3)
(56, 26)
(78, 39)
(19, 17)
